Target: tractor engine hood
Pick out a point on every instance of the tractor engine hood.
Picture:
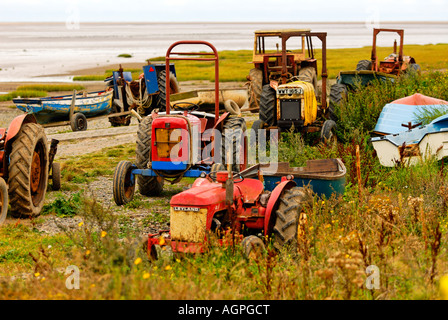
(200, 196)
(205, 193)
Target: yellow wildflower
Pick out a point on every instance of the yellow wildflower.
(443, 286)
(103, 234)
(168, 268)
(138, 261)
(146, 275)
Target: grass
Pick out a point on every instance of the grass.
(393, 218)
(38, 90)
(234, 65)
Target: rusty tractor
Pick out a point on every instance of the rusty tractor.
(226, 208)
(142, 95)
(367, 71)
(181, 143)
(284, 83)
(26, 163)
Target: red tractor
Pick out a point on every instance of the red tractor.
(25, 164)
(181, 143)
(225, 203)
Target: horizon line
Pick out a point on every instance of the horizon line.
(229, 22)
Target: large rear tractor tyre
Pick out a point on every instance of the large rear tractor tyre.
(364, 65)
(123, 183)
(233, 136)
(3, 200)
(148, 186)
(255, 87)
(174, 88)
(338, 95)
(28, 171)
(267, 105)
(328, 134)
(289, 217)
(308, 74)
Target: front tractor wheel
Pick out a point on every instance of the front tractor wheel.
(28, 171)
(253, 247)
(328, 134)
(234, 143)
(290, 217)
(123, 183)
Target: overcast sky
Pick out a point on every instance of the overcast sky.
(223, 10)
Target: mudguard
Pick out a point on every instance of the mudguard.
(16, 125)
(273, 204)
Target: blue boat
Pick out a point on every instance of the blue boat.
(324, 176)
(400, 114)
(53, 109)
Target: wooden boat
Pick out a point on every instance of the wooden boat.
(57, 108)
(323, 176)
(415, 145)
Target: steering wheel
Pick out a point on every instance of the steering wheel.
(212, 176)
(190, 106)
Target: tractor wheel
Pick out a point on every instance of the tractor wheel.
(289, 214)
(327, 134)
(364, 65)
(28, 171)
(258, 137)
(174, 88)
(3, 200)
(233, 135)
(338, 94)
(267, 105)
(56, 176)
(78, 122)
(308, 74)
(255, 87)
(253, 247)
(147, 186)
(123, 184)
(414, 67)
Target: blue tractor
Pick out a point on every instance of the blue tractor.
(142, 95)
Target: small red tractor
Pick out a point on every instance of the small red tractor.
(233, 208)
(181, 143)
(25, 165)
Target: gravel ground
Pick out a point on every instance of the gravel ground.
(144, 219)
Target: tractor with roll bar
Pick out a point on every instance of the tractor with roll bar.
(367, 71)
(183, 142)
(283, 84)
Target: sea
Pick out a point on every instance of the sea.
(50, 51)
